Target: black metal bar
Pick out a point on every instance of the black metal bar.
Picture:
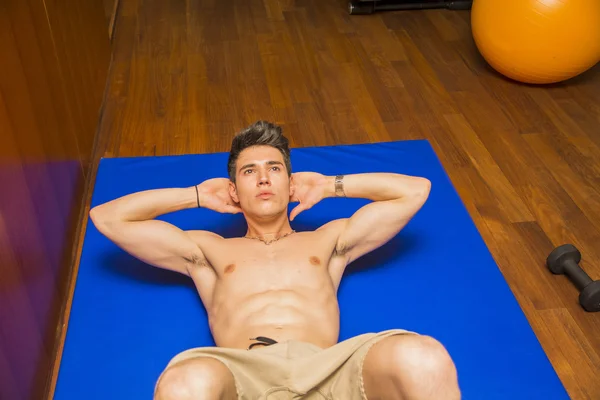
(368, 7)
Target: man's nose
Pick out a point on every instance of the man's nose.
(263, 178)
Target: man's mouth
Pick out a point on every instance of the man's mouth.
(265, 195)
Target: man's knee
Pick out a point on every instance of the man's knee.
(406, 356)
(206, 377)
(423, 355)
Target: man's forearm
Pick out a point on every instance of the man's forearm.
(379, 186)
(146, 205)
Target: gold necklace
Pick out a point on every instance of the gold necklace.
(267, 242)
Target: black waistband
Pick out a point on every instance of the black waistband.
(262, 341)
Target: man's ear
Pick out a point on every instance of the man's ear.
(292, 186)
(233, 192)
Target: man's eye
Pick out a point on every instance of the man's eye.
(248, 170)
(276, 168)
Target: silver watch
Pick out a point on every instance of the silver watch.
(339, 186)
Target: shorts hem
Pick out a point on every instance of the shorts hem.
(238, 388)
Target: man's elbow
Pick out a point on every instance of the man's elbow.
(100, 218)
(422, 189)
(420, 193)
(416, 195)
(96, 214)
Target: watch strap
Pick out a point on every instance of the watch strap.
(339, 186)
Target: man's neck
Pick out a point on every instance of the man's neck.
(268, 229)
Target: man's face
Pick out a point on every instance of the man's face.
(262, 184)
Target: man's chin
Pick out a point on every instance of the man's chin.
(265, 213)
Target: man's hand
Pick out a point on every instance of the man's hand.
(214, 194)
(310, 188)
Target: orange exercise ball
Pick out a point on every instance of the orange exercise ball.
(538, 41)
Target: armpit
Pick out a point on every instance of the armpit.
(196, 260)
(341, 249)
(333, 230)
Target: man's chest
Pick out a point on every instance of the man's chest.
(272, 260)
(289, 259)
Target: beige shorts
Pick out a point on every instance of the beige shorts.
(292, 369)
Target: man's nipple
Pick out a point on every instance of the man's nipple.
(230, 268)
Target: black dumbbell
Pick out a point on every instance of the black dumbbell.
(565, 260)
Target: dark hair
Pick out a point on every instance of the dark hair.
(261, 133)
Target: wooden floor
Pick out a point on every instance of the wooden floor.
(187, 74)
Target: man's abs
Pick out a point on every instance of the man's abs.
(285, 291)
(299, 314)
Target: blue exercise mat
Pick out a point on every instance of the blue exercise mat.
(437, 277)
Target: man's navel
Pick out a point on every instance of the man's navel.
(314, 260)
(230, 268)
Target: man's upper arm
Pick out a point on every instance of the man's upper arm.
(376, 223)
(156, 243)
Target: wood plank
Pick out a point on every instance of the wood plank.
(509, 201)
(585, 194)
(574, 358)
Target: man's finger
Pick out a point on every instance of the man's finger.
(297, 210)
(233, 209)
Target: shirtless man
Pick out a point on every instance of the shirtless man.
(271, 296)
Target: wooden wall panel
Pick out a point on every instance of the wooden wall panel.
(110, 13)
(83, 52)
(108, 9)
(55, 59)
